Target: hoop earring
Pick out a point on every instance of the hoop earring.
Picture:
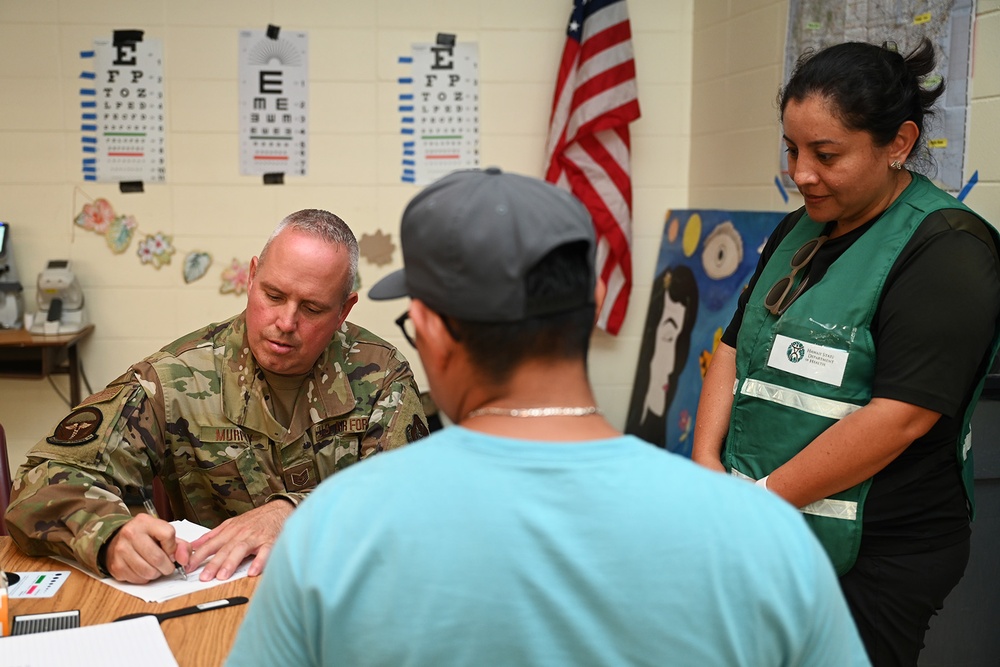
(896, 164)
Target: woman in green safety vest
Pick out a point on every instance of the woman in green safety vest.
(846, 380)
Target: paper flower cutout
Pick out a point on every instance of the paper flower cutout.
(97, 216)
(235, 278)
(196, 265)
(156, 249)
(119, 234)
(376, 248)
(100, 217)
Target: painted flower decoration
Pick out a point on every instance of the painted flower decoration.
(119, 234)
(684, 422)
(705, 359)
(196, 265)
(97, 216)
(235, 278)
(377, 248)
(156, 249)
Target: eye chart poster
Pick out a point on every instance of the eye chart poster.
(445, 123)
(123, 124)
(274, 105)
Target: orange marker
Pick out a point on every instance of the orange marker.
(4, 606)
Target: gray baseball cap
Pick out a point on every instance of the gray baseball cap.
(470, 238)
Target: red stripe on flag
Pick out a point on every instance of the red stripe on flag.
(605, 39)
(606, 223)
(588, 148)
(603, 83)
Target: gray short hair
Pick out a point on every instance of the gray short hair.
(328, 227)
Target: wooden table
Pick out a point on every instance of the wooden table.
(25, 355)
(197, 640)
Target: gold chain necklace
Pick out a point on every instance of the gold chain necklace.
(536, 412)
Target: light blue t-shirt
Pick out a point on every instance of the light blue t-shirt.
(468, 549)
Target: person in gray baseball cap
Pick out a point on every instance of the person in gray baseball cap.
(532, 532)
(470, 239)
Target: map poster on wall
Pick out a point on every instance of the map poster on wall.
(274, 102)
(445, 121)
(123, 120)
(815, 24)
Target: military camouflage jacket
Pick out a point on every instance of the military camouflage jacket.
(195, 415)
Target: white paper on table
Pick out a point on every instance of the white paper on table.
(138, 641)
(170, 586)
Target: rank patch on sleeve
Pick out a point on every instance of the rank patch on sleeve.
(79, 427)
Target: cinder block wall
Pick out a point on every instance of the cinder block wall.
(354, 160)
(708, 75)
(737, 66)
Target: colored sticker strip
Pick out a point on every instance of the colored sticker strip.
(781, 188)
(968, 186)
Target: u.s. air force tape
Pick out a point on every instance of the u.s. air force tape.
(77, 428)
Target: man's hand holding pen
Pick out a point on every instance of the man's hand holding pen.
(147, 548)
(144, 549)
(151, 511)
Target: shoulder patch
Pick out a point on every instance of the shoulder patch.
(416, 429)
(77, 428)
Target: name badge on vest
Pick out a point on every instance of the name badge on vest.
(808, 360)
(222, 434)
(349, 425)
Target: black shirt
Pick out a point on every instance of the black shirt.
(932, 332)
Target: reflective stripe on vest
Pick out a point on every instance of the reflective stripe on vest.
(815, 405)
(828, 507)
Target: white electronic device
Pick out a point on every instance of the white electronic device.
(11, 290)
(60, 301)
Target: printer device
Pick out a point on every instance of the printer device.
(60, 301)
(11, 290)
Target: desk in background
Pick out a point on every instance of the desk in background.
(198, 640)
(24, 355)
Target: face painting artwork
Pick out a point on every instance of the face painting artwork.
(706, 258)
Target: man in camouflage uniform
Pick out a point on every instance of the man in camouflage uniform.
(237, 421)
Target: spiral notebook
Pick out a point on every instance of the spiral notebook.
(123, 644)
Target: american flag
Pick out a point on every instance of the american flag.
(588, 146)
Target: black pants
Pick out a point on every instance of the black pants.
(893, 598)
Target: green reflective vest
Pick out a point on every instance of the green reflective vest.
(799, 373)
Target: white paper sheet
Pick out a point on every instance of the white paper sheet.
(139, 641)
(171, 586)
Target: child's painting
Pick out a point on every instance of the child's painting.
(706, 259)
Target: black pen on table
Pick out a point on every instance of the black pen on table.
(147, 502)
